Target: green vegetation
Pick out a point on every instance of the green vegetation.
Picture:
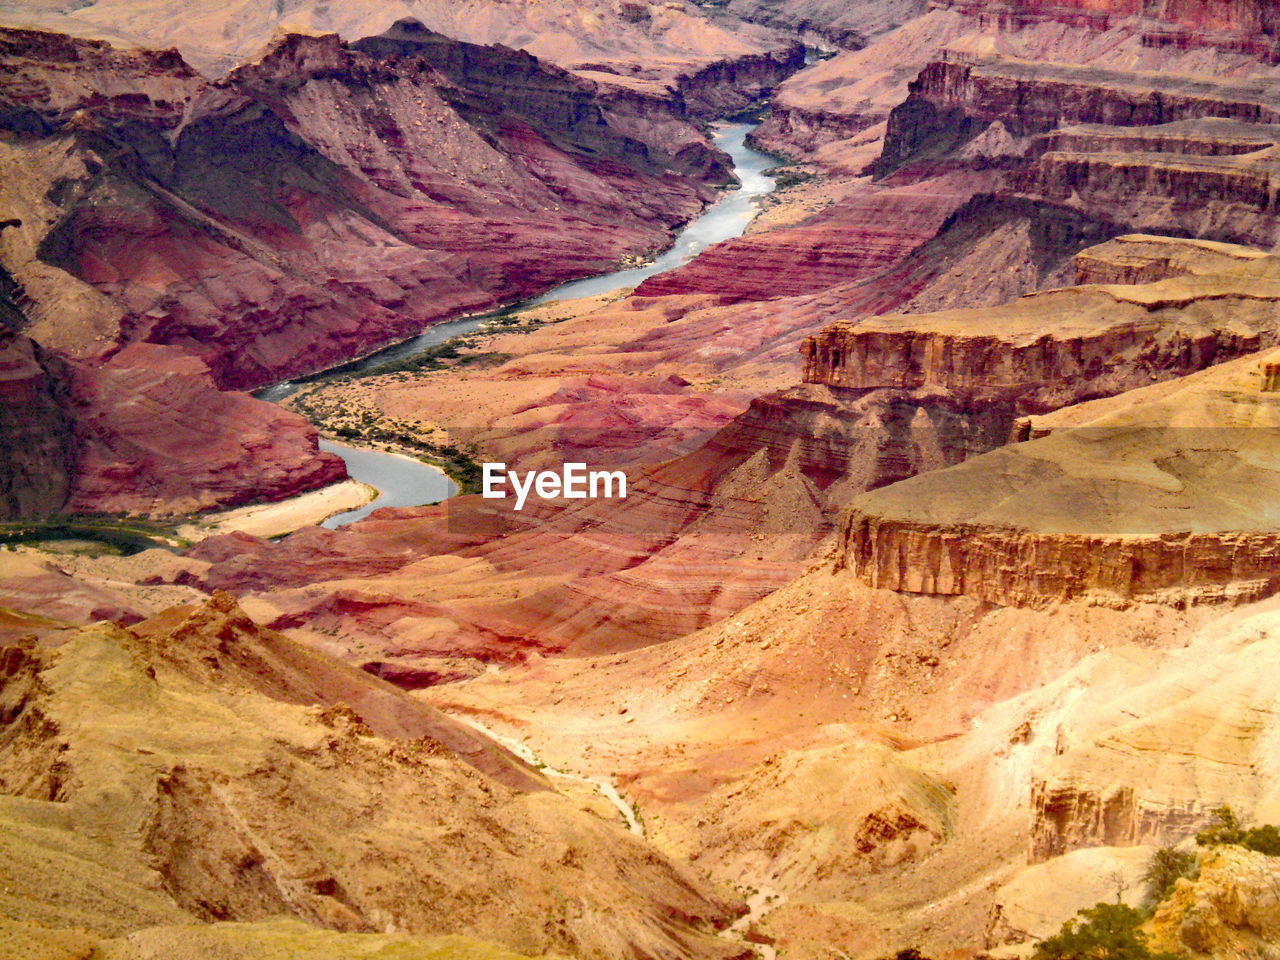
(461, 467)
(784, 177)
(1106, 931)
(1164, 869)
(1226, 828)
(117, 534)
(436, 358)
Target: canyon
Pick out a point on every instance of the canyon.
(943, 595)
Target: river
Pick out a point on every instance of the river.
(403, 482)
(400, 481)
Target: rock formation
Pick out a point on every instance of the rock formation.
(145, 433)
(238, 783)
(339, 198)
(1161, 499)
(35, 476)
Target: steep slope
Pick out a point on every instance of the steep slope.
(656, 46)
(145, 433)
(319, 202)
(198, 769)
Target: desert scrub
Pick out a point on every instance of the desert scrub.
(1166, 866)
(1105, 931)
(1226, 828)
(116, 534)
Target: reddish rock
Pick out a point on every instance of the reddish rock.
(35, 472)
(325, 200)
(154, 436)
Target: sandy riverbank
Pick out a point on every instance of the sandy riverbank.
(277, 519)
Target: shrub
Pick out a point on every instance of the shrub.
(1106, 931)
(1224, 827)
(1163, 870)
(1264, 839)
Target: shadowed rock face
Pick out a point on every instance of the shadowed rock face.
(36, 435)
(324, 200)
(145, 433)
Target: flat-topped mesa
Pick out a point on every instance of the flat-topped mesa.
(1052, 349)
(954, 100)
(1142, 258)
(1245, 26)
(1232, 198)
(1204, 137)
(1168, 494)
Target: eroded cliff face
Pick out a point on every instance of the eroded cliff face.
(953, 100)
(324, 200)
(1249, 26)
(35, 431)
(1063, 516)
(1051, 349)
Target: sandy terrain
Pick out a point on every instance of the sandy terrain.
(277, 519)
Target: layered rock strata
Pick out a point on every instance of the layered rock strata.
(1246, 26)
(197, 769)
(323, 200)
(952, 101)
(1138, 258)
(1167, 495)
(1052, 349)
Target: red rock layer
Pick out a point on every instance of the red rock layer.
(1019, 567)
(858, 239)
(324, 200)
(154, 436)
(146, 433)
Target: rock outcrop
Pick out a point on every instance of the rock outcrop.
(1162, 495)
(154, 436)
(1052, 349)
(1137, 258)
(660, 41)
(324, 200)
(1229, 908)
(207, 770)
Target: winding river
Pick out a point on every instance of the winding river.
(404, 482)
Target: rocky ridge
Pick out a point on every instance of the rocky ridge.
(258, 794)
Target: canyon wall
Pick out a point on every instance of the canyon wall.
(323, 200)
(34, 431)
(1048, 350)
(1247, 26)
(951, 101)
(146, 433)
(1016, 567)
